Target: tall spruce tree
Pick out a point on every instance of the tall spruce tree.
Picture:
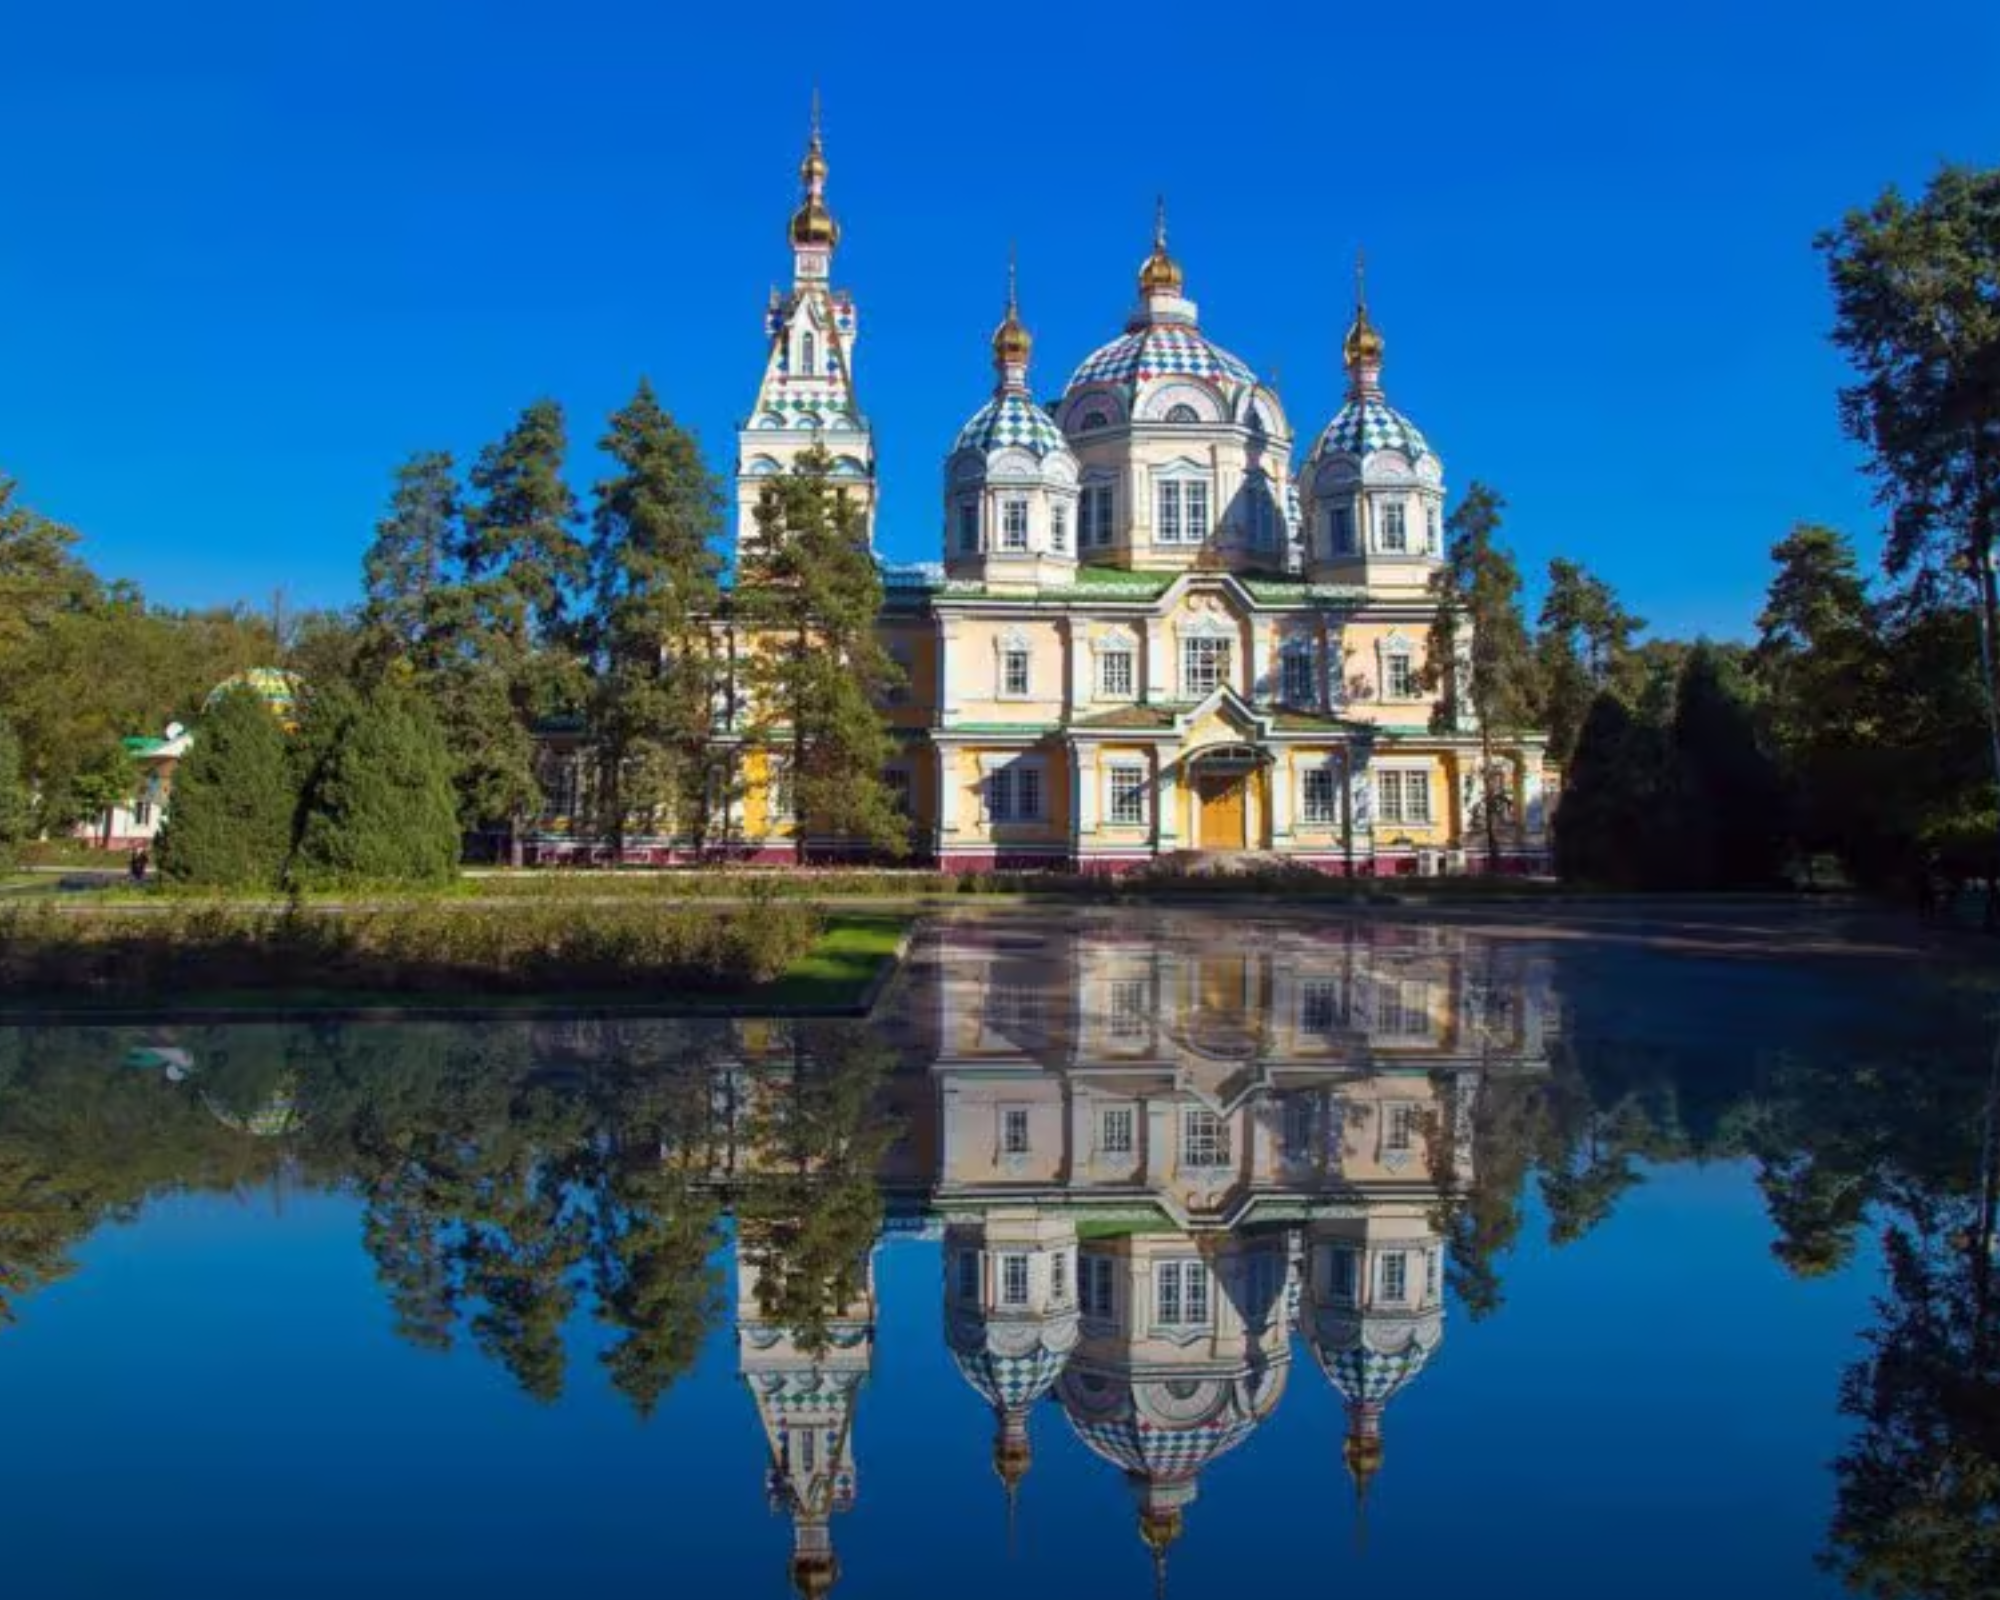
(1583, 646)
(230, 815)
(405, 570)
(1819, 664)
(656, 580)
(1479, 655)
(1609, 825)
(378, 807)
(513, 661)
(1732, 822)
(1916, 291)
(811, 593)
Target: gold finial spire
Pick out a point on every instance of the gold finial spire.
(812, 223)
(1362, 348)
(1162, 273)
(1012, 343)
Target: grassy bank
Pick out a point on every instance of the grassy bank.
(655, 957)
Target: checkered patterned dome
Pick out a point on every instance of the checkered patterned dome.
(1011, 1382)
(1011, 420)
(1372, 1360)
(1137, 1445)
(1361, 427)
(1161, 350)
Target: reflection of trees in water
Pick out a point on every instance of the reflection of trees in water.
(808, 1204)
(510, 1177)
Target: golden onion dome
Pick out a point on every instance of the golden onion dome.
(1161, 273)
(1012, 343)
(814, 1574)
(1363, 344)
(813, 224)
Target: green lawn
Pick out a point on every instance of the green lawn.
(836, 972)
(832, 978)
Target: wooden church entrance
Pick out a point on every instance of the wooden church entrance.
(1222, 798)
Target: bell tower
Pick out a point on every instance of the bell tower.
(807, 397)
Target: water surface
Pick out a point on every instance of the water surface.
(1122, 1249)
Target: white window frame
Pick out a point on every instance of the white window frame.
(1016, 666)
(1392, 1278)
(1183, 508)
(1399, 676)
(1012, 650)
(1118, 1131)
(1117, 669)
(1014, 525)
(1059, 528)
(1058, 1277)
(1181, 1294)
(1399, 1124)
(1403, 796)
(1014, 1279)
(1208, 663)
(1395, 530)
(1433, 529)
(1205, 1141)
(1004, 796)
(1131, 1008)
(1320, 1010)
(1321, 810)
(1127, 781)
(1013, 1120)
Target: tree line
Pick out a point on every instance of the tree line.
(1857, 732)
(495, 609)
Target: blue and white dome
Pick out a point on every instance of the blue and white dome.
(1011, 420)
(1156, 350)
(1371, 1358)
(1366, 424)
(1012, 1362)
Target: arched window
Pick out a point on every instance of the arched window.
(1094, 419)
(1183, 413)
(810, 362)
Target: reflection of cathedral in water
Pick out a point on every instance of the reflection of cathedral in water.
(1157, 1164)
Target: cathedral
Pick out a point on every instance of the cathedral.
(1150, 632)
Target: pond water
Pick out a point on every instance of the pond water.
(1121, 1251)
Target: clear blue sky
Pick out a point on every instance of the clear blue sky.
(253, 255)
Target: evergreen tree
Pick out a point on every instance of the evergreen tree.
(815, 669)
(1609, 824)
(511, 662)
(1731, 827)
(1583, 646)
(1479, 652)
(1916, 290)
(229, 819)
(405, 569)
(378, 807)
(657, 590)
(1818, 662)
(14, 811)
